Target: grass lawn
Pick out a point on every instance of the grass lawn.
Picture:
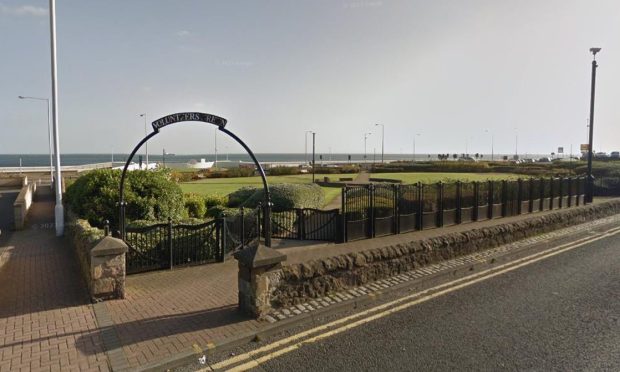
(225, 186)
(433, 177)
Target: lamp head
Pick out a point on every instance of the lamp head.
(594, 51)
(21, 97)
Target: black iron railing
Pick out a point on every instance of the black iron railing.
(382, 209)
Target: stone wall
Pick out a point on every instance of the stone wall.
(299, 282)
(101, 259)
(22, 203)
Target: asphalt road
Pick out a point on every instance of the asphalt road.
(562, 314)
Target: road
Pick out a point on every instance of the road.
(560, 313)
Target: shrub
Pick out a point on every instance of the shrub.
(149, 195)
(283, 196)
(283, 171)
(215, 199)
(339, 169)
(195, 205)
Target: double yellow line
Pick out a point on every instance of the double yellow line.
(294, 342)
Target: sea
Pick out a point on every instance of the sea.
(181, 160)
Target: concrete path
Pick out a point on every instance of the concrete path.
(362, 178)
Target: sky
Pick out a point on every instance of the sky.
(460, 73)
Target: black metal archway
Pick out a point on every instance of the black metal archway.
(205, 118)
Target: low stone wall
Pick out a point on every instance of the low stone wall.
(101, 258)
(298, 282)
(13, 181)
(22, 203)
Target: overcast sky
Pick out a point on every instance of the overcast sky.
(448, 70)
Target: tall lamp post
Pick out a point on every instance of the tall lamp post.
(59, 212)
(590, 140)
(416, 135)
(147, 143)
(313, 155)
(49, 134)
(382, 139)
(492, 144)
(516, 144)
(366, 135)
(306, 146)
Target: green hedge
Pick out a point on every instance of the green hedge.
(283, 196)
(149, 195)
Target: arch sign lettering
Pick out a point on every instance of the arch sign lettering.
(188, 116)
(218, 121)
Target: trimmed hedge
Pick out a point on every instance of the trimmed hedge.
(283, 196)
(149, 195)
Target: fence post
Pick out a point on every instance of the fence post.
(530, 206)
(519, 196)
(396, 188)
(490, 200)
(106, 228)
(259, 209)
(439, 214)
(458, 202)
(570, 191)
(561, 193)
(371, 191)
(541, 204)
(420, 207)
(551, 193)
(170, 240)
(578, 187)
(267, 219)
(300, 223)
(220, 224)
(475, 203)
(242, 215)
(343, 211)
(504, 197)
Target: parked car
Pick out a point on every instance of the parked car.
(601, 155)
(545, 159)
(615, 155)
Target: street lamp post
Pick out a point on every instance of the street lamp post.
(416, 135)
(49, 134)
(146, 144)
(492, 144)
(59, 213)
(382, 139)
(306, 146)
(366, 135)
(590, 140)
(313, 155)
(516, 144)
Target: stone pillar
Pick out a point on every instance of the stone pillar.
(107, 269)
(260, 270)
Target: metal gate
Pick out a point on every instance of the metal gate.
(357, 212)
(165, 245)
(384, 209)
(408, 208)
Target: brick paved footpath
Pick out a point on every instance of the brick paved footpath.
(47, 322)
